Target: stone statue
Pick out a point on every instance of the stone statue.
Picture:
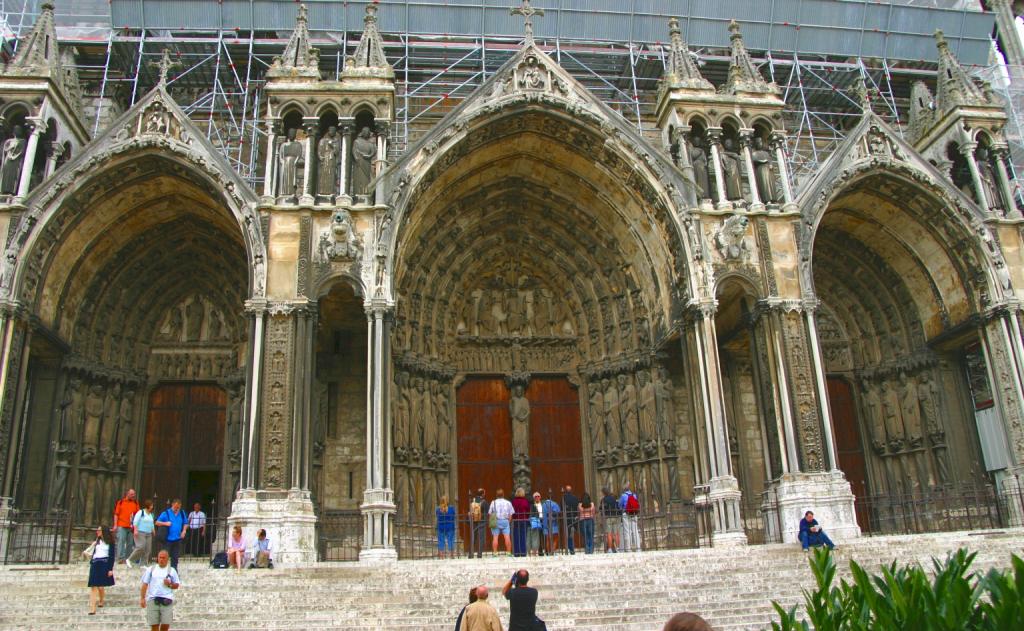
(416, 414)
(988, 179)
(430, 417)
(764, 172)
(329, 152)
(364, 153)
(195, 313)
(444, 428)
(93, 418)
(928, 393)
(910, 409)
(628, 405)
(597, 428)
(64, 451)
(14, 153)
(648, 406)
(666, 410)
(731, 170)
(521, 471)
(699, 161)
(291, 160)
(891, 417)
(872, 408)
(125, 421)
(401, 414)
(612, 415)
(519, 412)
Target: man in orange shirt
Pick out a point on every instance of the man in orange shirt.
(124, 511)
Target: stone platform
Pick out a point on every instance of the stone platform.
(731, 587)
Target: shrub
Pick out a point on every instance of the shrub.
(905, 598)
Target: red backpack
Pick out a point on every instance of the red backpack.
(632, 505)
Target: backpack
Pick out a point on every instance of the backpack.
(632, 505)
(476, 511)
(220, 560)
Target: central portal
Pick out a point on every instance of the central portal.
(517, 434)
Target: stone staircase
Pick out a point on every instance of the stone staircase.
(731, 587)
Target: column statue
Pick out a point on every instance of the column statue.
(597, 427)
(891, 418)
(764, 173)
(731, 169)
(699, 161)
(291, 160)
(612, 417)
(519, 412)
(928, 393)
(329, 152)
(988, 179)
(14, 152)
(430, 419)
(401, 414)
(666, 410)
(364, 152)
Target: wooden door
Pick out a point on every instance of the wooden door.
(184, 433)
(485, 438)
(556, 445)
(849, 448)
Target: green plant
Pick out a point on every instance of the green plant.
(904, 598)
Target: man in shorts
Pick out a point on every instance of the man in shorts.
(502, 510)
(612, 517)
(157, 594)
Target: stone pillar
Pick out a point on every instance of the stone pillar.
(778, 141)
(1012, 47)
(273, 127)
(56, 151)
(700, 346)
(755, 197)
(1007, 377)
(276, 499)
(378, 506)
(38, 127)
(346, 144)
(831, 464)
(305, 334)
(967, 150)
(715, 143)
(310, 125)
(1000, 155)
(382, 129)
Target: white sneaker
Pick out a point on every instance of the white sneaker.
(127, 563)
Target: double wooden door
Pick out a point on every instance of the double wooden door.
(849, 447)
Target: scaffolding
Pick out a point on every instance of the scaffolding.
(220, 80)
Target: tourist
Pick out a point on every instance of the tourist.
(236, 548)
(502, 511)
(101, 568)
(534, 543)
(445, 514)
(570, 510)
(173, 519)
(686, 622)
(612, 520)
(522, 602)
(550, 521)
(262, 551)
(196, 535)
(629, 504)
(811, 533)
(142, 522)
(478, 523)
(472, 599)
(481, 615)
(586, 512)
(520, 522)
(157, 593)
(124, 510)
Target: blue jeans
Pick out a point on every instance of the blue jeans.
(125, 543)
(587, 530)
(815, 539)
(519, 530)
(446, 539)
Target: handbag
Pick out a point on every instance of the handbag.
(88, 552)
(492, 520)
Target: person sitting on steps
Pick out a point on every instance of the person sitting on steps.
(811, 533)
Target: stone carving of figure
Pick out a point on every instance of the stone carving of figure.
(543, 312)
(910, 410)
(175, 324)
(666, 411)
(14, 152)
(444, 436)
(93, 418)
(430, 417)
(195, 313)
(597, 428)
(329, 152)
(731, 170)
(291, 160)
(891, 417)
(364, 153)
(699, 161)
(64, 451)
(519, 411)
(928, 393)
(125, 421)
(612, 414)
(764, 172)
(401, 415)
(629, 412)
(988, 178)
(648, 407)
(872, 407)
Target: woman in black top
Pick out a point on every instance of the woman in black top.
(101, 568)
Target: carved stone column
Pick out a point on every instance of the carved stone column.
(38, 127)
(56, 151)
(685, 165)
(1000, 156)
(1009, 38)
(715, 143)
(378, 506)
(700, 347)
(310, 125)
(346, 142)
(778, 141)
(382, 129)
(278, 500)
(15, 334)
(755, 197)
(273, 127)
(967, 151)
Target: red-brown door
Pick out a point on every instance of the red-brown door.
(556, 447)
(184, 435)
(485, 439)
(849, 449)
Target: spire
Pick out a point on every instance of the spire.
(164, 66)
(922, 111)
(955, 88)
(38, 53)
(744, 77)
(300, 59)
(370, 52)
(682, 70)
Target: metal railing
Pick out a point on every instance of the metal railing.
(32, 537)
(339, 535)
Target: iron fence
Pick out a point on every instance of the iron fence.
(32, 537)
(339, 535)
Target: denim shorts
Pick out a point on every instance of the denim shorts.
(446, 539)
(501, 528)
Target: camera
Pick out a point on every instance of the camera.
(515, 578)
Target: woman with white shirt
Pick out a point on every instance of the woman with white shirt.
(101, 568)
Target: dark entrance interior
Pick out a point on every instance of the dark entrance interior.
(849, 448)
(184, 445)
